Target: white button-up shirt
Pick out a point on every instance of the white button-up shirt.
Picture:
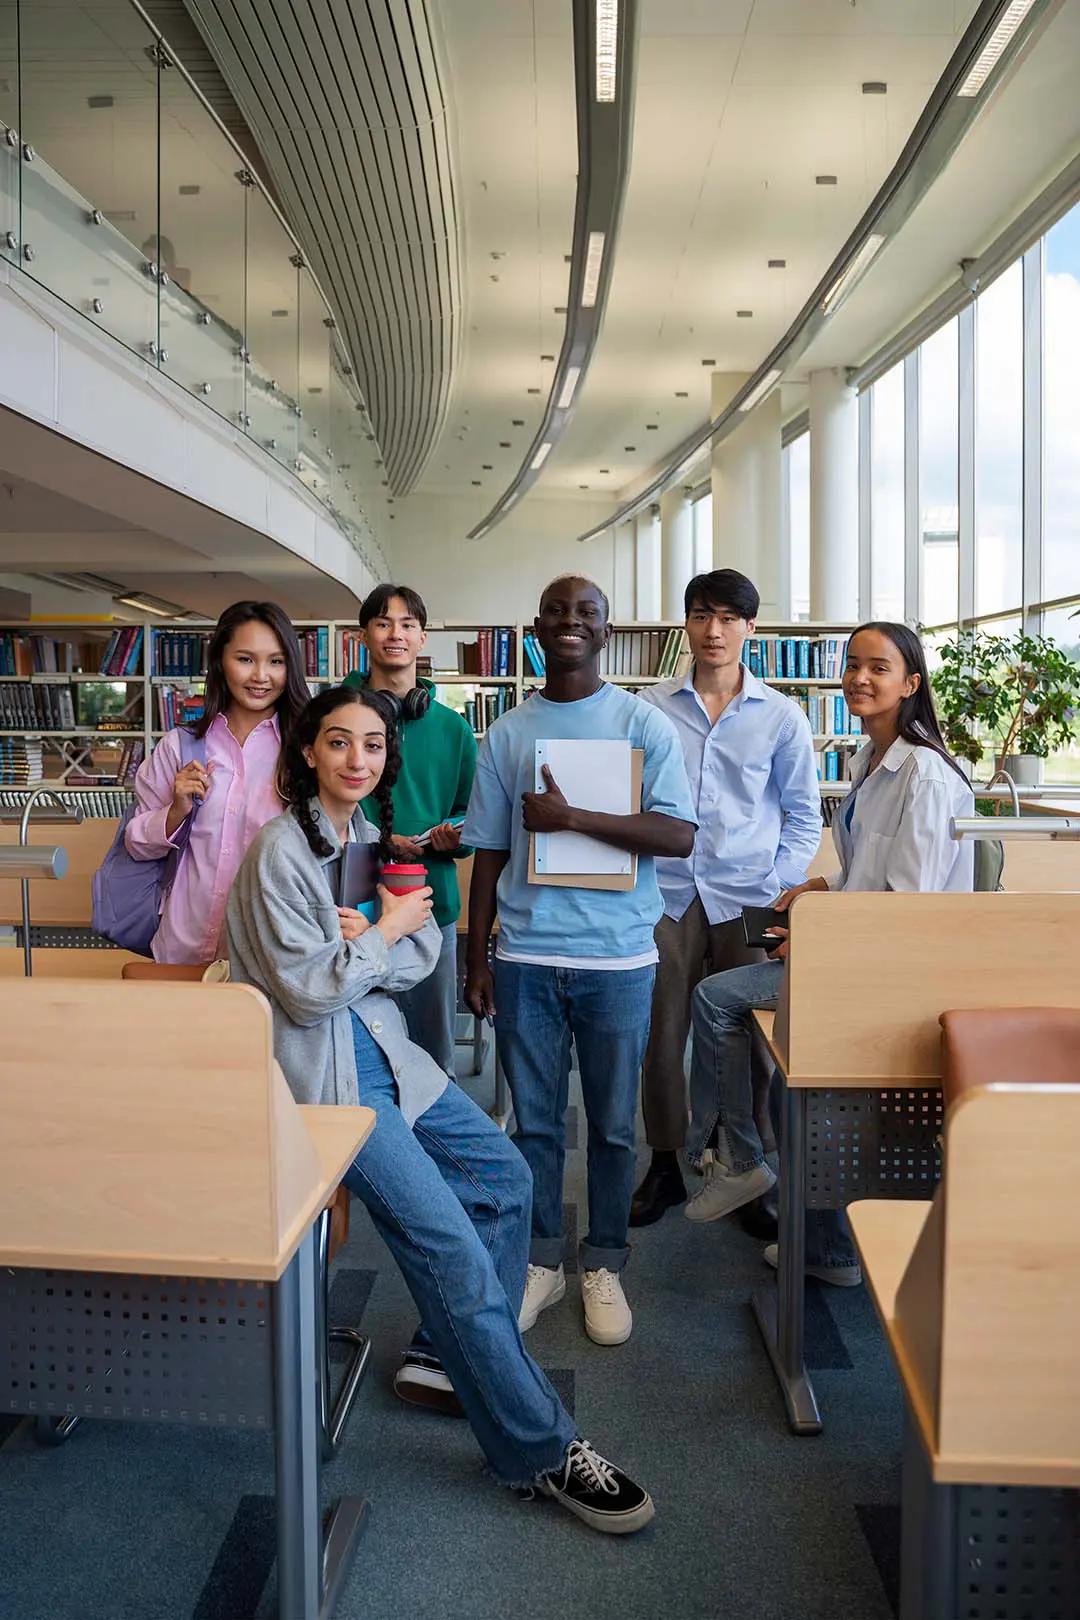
(892, 830)
(754, 786)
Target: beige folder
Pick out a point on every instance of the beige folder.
(622, 881)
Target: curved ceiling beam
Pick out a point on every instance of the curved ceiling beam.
(998, 33)
(605, 53)
(346, 105)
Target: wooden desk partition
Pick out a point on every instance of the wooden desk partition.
(64, 962)
(66, 903)
(868, 975)
(139, 1138)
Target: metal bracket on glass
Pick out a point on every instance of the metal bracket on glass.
(28, 152)
(203, 317)
(96, 306)
(150, 269)
(11, 137)
(330, 323)
(28, 253)
(204, 388)
(245, 177)
(244, 421)
(94, 217)
(11, 241)
(298, 261)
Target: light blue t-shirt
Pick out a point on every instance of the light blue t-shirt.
(550, 923)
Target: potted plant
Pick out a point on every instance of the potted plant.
(1019, 695)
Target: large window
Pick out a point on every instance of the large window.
(703, 538)
(999, 443)
(887, 496)
(939, 500)
(797, 473)
(1061, 388)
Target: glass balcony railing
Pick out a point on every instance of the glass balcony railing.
(123, 195)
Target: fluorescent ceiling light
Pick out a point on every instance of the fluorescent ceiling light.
(607, 33)
(540, 457)
(152, 604)
(847, 278)
(568, 387)
(594, 258)
(770, 379)
(992, 51)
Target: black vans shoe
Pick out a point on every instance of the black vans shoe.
(598, 1492)
(421, 1381)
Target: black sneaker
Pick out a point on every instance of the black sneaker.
(421, 1381)
(598, 1492)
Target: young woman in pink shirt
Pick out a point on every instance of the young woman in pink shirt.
(255, 688)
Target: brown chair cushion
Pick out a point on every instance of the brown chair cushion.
(339, 1219)
(981, 1045)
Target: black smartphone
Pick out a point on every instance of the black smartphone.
(361, 870)
(756, 920)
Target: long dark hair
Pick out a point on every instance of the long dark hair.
(295, 696)
(917, 722)
(298, 783)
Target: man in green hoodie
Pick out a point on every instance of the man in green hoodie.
(438, 761)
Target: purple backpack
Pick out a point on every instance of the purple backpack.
(130, 895)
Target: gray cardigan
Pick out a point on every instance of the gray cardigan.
(285, 938)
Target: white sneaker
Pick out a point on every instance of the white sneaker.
(842, 1276)
(726, 1190)
(608, 1319)
(545, 1286)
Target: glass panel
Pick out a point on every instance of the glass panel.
(89, 99)
(314, 390)
(798, 472)
(273, 314)
(346, 438)
(887, 497)
(1061, 359)
(201, 251)
(999, 443)
(9, 129)
(939, 492)
(703, 536)
(1063, 627)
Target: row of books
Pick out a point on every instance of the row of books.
(795, 657)
(483, 710)
(24, 707)
(492, 653)
(834, 764)
(102, 803)
(21, 762)
(179, 652)
(534, 654)
(352, 654)
(828, 714)
(315, 651)
(131, 757)
(121, 655)
(659, 653)
(179, 708)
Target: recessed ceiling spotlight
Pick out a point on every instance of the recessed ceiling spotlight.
(476, 483)
(744, 314)
(486, 467)
(493, 278)
(99, 101)
(708, 362)
(583, 486)
(568, 258)
(777, 264)
(682, 393)
(517, 422)
(547, 357)
(605, 469)
(532, 390)
(560, 309)
(630, 448)
(825, 180)
(496, 254)
(874, 87)
(504, 444)
(277, 314)
(189, 191)
(651, 427)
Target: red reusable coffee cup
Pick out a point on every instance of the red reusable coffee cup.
(400, 878)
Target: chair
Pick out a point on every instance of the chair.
(331, 1231)
(984, 1045)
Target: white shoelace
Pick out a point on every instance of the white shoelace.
(594, 1471)
(536, 1277)
(602, 1286)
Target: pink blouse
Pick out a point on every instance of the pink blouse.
(242, 798)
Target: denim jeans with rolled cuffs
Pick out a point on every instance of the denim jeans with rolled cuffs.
(722, 1093)
(451, 1199)
(539, 1011)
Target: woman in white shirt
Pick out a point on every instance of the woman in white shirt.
(891, 834)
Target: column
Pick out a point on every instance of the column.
(647, 570)
(623, 572)
(676, 550)
(746, 495)
(834, 498)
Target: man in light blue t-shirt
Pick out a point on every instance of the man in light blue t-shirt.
(572, 964)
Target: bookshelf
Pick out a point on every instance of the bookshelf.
(82, 703)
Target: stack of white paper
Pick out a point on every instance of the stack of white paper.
(591, 775)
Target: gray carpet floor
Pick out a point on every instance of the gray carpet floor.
(145, 1522)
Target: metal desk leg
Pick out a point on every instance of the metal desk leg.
(781, 1310)
(928, 1543)
(309, 1577)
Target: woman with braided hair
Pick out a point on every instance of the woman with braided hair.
(448, 1193)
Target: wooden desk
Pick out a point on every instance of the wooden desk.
(858, 1051)
(178, 1199)
(68, 902)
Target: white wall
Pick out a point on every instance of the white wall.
(498, 579)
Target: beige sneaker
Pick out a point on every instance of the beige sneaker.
(726, 1190)
(608, 1319)
(545, 1286)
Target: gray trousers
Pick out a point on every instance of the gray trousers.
(690, 950)
(430, 1007)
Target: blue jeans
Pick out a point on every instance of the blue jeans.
(450, 1198)
(539, 1011)
(430, 1007)
(722, 1092)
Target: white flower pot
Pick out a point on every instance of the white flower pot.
(1026, 770)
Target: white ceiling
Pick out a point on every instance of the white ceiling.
(740, 105)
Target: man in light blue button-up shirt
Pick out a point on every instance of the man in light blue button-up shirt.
(749, 757)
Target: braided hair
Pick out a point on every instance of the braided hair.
(298, 783)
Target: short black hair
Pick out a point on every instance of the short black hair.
(579, 579)
(376, 603)
(723, 588)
